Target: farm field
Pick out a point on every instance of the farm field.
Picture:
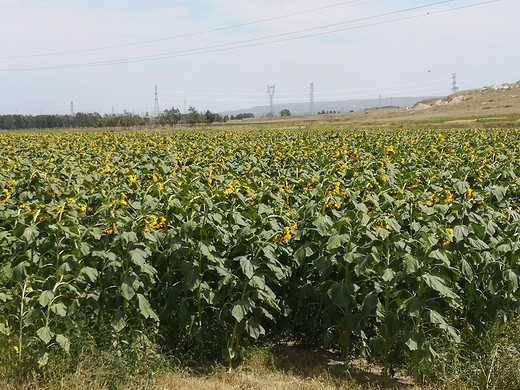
(389, 244)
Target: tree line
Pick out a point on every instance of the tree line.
(169, 117)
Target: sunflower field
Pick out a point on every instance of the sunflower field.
(374, 241)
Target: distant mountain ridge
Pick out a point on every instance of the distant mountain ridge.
(338, 106)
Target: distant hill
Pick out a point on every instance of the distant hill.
(339, 106)
(496, 99)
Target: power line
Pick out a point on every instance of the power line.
(243, 43)
(183, 35)
(222, 47)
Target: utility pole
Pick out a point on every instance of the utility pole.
(311, 102)
(270, 91)
(156, 105)
(454, 87)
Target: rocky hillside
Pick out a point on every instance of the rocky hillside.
(497, 99)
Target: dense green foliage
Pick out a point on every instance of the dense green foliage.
(169, 117)
(380, 241)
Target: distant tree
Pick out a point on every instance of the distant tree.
(170, 117)
(193, 116)
(244, 115)
(285, 112)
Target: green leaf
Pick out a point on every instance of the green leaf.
(370, 303)
(145, 308)
(127, 289)
(437, 284)
(341, 293)
(63, 342)
(498, 191)
(257, 282)
(411, 264)
(188, 228)
(323, 223)
(439, 254)
(247, 267)
(438, 319)
(478, 244)
(192, 279)
(129, 237)
(4, 329)
(30, 233)
(45, 334)
(89, 274)
(414, 306)
(59, 309)
(460, 232)
(118, 321)
(336, 241)
(46, 297)
(388, 275)
(138, 256)
(254, 329)
(411, 341)
(240, 309)
(43, 359)
(467, 271)
(228, 353)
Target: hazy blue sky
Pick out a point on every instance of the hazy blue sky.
(221, 54)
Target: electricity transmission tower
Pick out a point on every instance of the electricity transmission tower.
(454, 87)
(270, 91)
(311, 103)
(71, 108)
(156, 105)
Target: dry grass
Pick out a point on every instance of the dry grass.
(283, 367)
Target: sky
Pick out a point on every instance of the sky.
(221, 55)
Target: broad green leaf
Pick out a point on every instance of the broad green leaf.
(253, 328)
(43, 359)
(45, 334)
(46, 297)
(89, 274)
(138, 256)
(438, 284)
(439, 254)
(240, 309)
(63, 342)
(145, 308)
(335, 241)
(467, 271)
(411, 341)
(30, 233)
(388, 275)
(129, 237)
(59, 309)
(4, 329)
(341, 293)
(127, 289)
(118, 321)
(414, 306)
(247, 267)
(323, 223)
(460, 232)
